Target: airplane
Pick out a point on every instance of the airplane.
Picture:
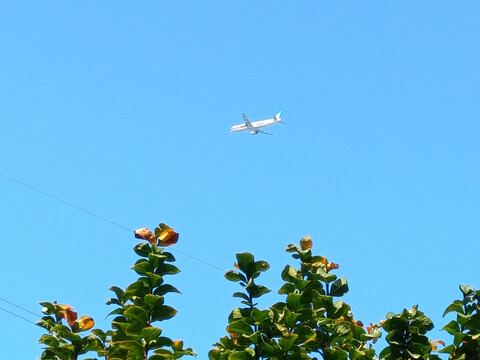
(254, 126)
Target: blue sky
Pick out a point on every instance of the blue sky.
(123, 109)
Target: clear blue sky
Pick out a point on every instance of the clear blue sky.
(123, 108)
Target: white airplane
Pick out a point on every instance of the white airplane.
(254, 126)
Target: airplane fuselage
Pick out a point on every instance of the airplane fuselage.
(253, 125)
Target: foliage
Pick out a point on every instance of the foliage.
(308, 322)
(311, 322)
(134, 334)
(406, 336)
(466, 328)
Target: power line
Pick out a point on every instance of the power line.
(19, 316)
(95, 215)
(64, 202)
(18, 306)
(56, 198)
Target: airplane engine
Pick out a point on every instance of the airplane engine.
(253, 132)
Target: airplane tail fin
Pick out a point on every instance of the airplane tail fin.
(278, 116)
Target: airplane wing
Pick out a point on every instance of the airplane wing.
(264, 132)
(247, 122)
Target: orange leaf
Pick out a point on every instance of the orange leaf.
(68, 314)
(145, 234)
(166, 235)
(306, 243)
(331, 266)
(177, 345)
(434, 343)
(85, 323)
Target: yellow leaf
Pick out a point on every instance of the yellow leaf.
(85, 323)
(166, 235)
(177, 345)
(306, 243)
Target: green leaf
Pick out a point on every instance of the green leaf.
(261, 266)
(131, 345)
(163, 312)
(235, 276)
(292, 248)
(136, 313)
(466, 289)
(339, 287)
(66, 333)
(287, 343)
(240, 355)
(49, 308)
(63, 352)
(167, 269)
(153, 301)
(166, 288)
(117, 311)
(322, 275)
(154, 280)
(450, 349)
(48, 340)
(139, 288)
(290, 274)
(294, 301)
(290, 318)
(160, 342)
(257, 290)
(241, 295)
(142, 249)
(259, 315)
(99, 334)
(452, 328)
(240, 327)
(118, 292)
(287, 288)
(245, 262)
(151, 333)
(142, 267)
(456, 306)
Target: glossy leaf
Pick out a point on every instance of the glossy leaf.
(163, 312)
(339, 287)
(456, 306)
(142, 267)
(118, 292)
(245, 263)
(136, 313)
(131, 345)
(167, 269)
(235, 276)
(240, 355)
(452, 327)
(142, 249)
(151, 333)
(166, 235)
(240, 327)
(83, 323)
(241, 295)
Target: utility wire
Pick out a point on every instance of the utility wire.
(95, 215)
(19, 316)
(63, 201)
(18, 306)
(86, 212)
